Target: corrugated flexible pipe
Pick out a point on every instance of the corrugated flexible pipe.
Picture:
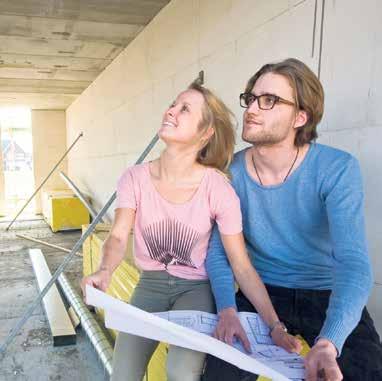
(90, 325)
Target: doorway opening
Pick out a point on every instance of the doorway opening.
(16, 166)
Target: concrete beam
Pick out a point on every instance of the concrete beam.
(51, 62)
(57, 48)
(42, 86)
(38, 101)
(111, 11)
(57, 29)
(58, 74)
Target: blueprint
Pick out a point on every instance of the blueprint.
(263, 348)
(193, 330)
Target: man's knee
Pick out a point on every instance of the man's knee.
(361, 357)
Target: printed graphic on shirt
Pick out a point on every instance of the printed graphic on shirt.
(170, 242)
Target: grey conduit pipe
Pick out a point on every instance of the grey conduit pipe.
(90, 325)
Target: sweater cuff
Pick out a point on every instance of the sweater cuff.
(225, 302)
(336, 332)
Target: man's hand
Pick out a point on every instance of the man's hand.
(229, 326)
(321, 363)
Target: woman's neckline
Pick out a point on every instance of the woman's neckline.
(191, 199)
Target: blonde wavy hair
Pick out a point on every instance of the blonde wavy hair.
(218, 150)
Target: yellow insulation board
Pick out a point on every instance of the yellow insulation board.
(62, 210)
(122, 285)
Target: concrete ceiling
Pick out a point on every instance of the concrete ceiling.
(51, 50)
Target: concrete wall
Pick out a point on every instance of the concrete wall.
(351, 75)
(49, 144)
(230, 40)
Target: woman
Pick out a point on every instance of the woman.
(173, 202)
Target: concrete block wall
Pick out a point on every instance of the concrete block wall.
(49, 135)
(121, 110)
(351, 75)
(230, 39)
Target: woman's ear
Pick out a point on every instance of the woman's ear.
(301, 119)
(207, 134)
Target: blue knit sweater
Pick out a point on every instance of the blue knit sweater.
(307, 232)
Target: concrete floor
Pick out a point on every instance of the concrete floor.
(31, 356)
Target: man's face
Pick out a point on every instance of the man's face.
(268, 127)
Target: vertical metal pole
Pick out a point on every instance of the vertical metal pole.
(15, 330)
(45, 180)
(321, 39)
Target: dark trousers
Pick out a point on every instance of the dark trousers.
(303, 312)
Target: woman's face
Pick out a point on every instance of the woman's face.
(180, 123)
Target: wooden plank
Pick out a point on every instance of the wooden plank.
(46, 244)
(60, 324)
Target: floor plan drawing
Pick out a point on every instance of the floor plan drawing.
(263, 348)
(194, 330)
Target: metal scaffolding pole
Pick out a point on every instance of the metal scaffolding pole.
(78, 193)
(15, 330)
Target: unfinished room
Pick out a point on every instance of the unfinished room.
(264, 116)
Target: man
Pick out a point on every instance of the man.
(303, 220)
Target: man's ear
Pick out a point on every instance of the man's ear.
(302, 118)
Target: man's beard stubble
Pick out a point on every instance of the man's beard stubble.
(262, 139)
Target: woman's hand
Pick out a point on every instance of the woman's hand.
(285, 340)
(100, 279)
(113, 250)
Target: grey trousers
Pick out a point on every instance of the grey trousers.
(159, 291)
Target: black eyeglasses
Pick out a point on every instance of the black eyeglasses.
(265, 101)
